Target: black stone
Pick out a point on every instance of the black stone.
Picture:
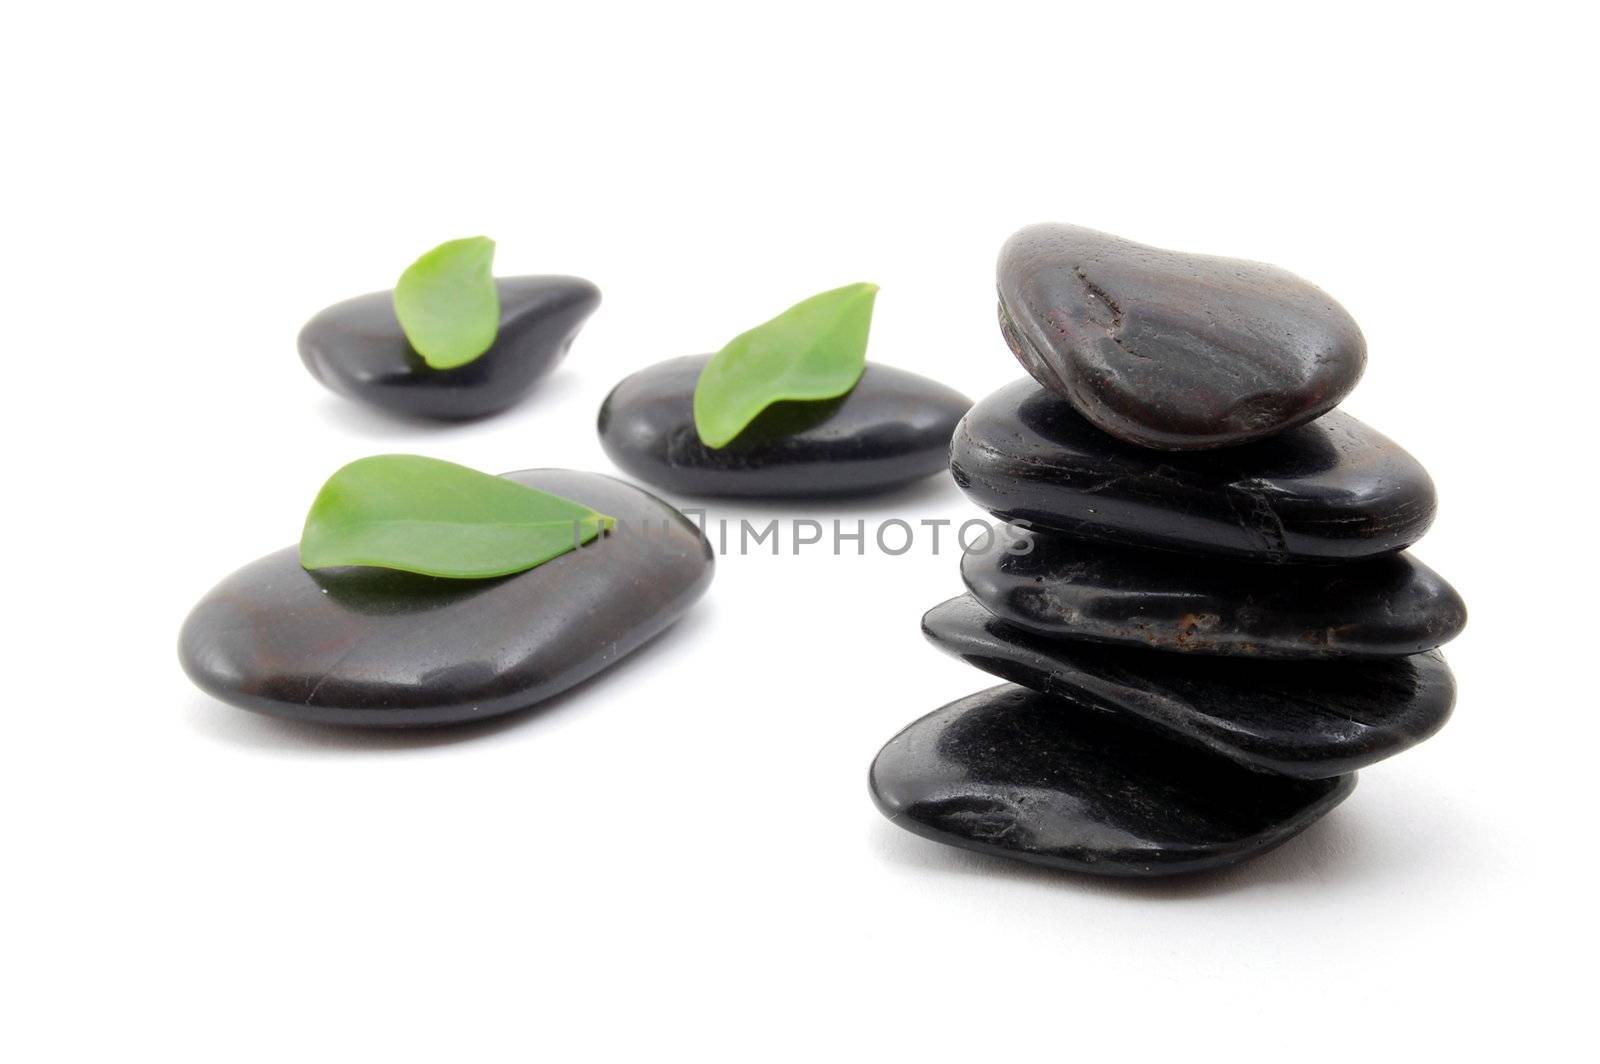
(358, 349)
(1015, 773)
(1169, 350)
(891, 429)
(1309, 719)
(1331, 490)
(1083, 589)
(366, 646)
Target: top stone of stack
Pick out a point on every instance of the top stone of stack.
(1173, 351)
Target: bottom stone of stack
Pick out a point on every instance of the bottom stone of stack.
(1015, 773)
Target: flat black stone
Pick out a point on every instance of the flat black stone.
(1083, 589)
(376, 647)
(891, 429)
(1331, 490)
(1169, 350)
(1015, 773)
(1308, 719)
(358, 349)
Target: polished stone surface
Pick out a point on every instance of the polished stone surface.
(1085, 589)
(1169, 350)
(891, 429)
(358, 349)
(1308, 719)
(364, 646)
(1330, 490)
(1015, 773)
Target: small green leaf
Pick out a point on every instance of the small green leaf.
(447, 302)
(403, 511)
(816, 349)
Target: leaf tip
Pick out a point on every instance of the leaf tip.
(308, 555)
(713, 437)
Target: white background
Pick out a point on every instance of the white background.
(681, 856)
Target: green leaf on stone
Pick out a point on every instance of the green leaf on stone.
(447, 302)
(422, 515)
(817, 349)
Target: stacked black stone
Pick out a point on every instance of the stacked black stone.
(1212, 621)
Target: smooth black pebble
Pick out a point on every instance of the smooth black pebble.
(377, 647)
(891, 429)
(1170, 350)
(1085, 589)
(1015, 773)
(1328, 491)
(358, 349)
(1308, 719)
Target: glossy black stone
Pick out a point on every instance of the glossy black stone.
(376, 647)
(1015, 773)
(1084, 589)
(1331, 490)
(1169, 350)
(1309, 719)
(891, 429)
(358, 349)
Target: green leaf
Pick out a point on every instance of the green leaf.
(447, 302)
(816, 349)
(403, 511)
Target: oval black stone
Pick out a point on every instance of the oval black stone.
(1308, 719)
(891, 429)
(1083, 589)
(1015, 773)
(1330, 490)
(1169, 350)
(358, 349)
(377, 647)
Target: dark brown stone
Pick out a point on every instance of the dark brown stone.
(1169, 350)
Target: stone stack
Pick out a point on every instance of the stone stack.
(1211, 621)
